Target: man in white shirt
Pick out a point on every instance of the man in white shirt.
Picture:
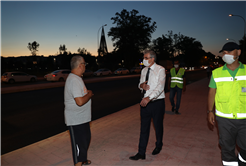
(77, 100)
(152, 83)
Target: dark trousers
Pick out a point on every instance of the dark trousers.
(155, 110)
(80, 139)
(232, 132)
(172, 93)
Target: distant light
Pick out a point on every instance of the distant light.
(230, 15)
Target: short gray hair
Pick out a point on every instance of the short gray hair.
(151, 53)
(75, 61)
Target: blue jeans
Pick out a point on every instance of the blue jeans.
(173, 91)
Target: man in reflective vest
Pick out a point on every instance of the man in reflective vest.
(176, 84)
(228, 92)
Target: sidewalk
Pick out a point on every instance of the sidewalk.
(187, 138)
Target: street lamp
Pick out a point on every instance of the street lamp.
(230, 39)
(243, 58)
(98, 37)
(243, 20)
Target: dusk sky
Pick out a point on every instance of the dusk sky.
(76, 23)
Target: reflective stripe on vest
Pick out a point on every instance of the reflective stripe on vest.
(240, 78)
(239, 115)
(175, 79)
(240, 158)
(223, 79)
(230, 163)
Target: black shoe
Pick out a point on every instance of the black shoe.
(172, 109)
(156, 151)
(137, 157)
(177, 112)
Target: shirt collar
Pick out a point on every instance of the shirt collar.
(240, 66)
(153, 66)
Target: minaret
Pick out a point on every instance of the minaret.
(103, 46)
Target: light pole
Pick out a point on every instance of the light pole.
(98, 37)
(230, 39)
(243, 58)
(243, 20)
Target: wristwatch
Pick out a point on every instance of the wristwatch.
(209, 111)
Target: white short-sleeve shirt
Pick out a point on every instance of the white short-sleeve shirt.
(74, 114)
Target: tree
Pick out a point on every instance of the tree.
(91, 60)
(163, 47)
(131, 35)
(242, 44)
(192, 50)
(62, 49)
(33, 47)
(82, 51)
(177, 46)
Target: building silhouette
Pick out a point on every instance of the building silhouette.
(102, 50)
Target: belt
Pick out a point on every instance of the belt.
(152, 101)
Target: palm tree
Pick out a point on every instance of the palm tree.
(62, 48)
(33, 47)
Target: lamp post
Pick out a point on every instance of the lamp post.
(98, 37)
(230, 39)
(243, 58)
(243, 20)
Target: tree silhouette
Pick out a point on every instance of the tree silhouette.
(62, 49)
(242, 45)
(33, 47)
(82, 51)
(163, 47)
(131, 35)
(171, 46)
(192, 50)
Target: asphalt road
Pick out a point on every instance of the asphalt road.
(28, 117)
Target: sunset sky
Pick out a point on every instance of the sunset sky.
(76, 24)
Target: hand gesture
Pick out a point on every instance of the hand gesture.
(145, 86)
(144, 101)
(90, 93)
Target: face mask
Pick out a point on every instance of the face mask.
(146, 63)
(229, 59)
(176, 66)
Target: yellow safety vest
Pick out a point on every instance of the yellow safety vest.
(230, 98)
(177, 79)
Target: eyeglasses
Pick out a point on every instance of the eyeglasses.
(146, 58)
(84, 63)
